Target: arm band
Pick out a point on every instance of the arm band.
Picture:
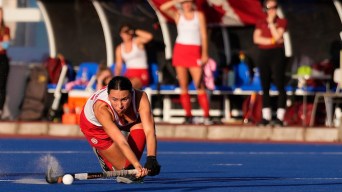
(272, 41)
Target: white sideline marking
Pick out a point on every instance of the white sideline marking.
(319, 178)
(187, 152)
(249, 153)
(40, 181)
(228, 164)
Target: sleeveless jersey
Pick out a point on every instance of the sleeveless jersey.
(188, 30)
(102, 96)
(136, 58)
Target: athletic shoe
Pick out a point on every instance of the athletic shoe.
(129, 179)
(207, 121)
(277, 123)
(188, 121)
(264, 123)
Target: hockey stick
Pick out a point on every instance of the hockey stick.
(85, 176)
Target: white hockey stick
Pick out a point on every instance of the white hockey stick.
(85, 176)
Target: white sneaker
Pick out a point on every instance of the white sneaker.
(130, 179)
(207, 121)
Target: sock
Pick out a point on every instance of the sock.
(204, 103)
(137, 142)
(186, 104)
(280, 113)
(266, 114)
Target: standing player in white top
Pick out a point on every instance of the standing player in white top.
(190, 52)
(132, 52)
(117, 122)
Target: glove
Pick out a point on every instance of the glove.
(152, 165)
(5, 44)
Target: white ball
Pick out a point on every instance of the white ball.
(68, 179)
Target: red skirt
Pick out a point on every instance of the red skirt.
(186, 55)
(141, 74)
(96, 136)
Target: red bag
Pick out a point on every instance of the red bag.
(54, 68)
(294, 115)
(252, 108)
(291, 116)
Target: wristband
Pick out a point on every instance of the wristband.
(272, 41)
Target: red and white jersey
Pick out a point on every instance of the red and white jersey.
(102, 96)
(188, 30)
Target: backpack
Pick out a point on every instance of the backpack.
(33, 105)
(252, 108)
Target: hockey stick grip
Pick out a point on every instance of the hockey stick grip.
(86, 176)
(120, 173)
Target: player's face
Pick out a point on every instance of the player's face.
(120, 100)
(126, 34)
(271, 7)
(187, 5)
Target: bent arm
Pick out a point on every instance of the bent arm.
(277, 33)
(143, 36)
(277, 37)
(5, 39)
(105, 117)
(168, 8)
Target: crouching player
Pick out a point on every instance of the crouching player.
(117, 122)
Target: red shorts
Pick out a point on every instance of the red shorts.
(186, 55)
(141, 74)
(96, 136)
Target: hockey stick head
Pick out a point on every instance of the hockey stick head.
(50, 178)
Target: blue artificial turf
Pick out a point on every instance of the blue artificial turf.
(186, 166)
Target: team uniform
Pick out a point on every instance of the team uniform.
(187, 53)
(4, 70)
(136, 63)
(187, 49)
(96, 135)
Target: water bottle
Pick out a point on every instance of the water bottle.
(231, 78)
(84, 77)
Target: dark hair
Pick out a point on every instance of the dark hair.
(125, 25)
(266, 1)
(119, 83)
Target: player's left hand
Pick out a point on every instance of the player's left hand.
(152, 165)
